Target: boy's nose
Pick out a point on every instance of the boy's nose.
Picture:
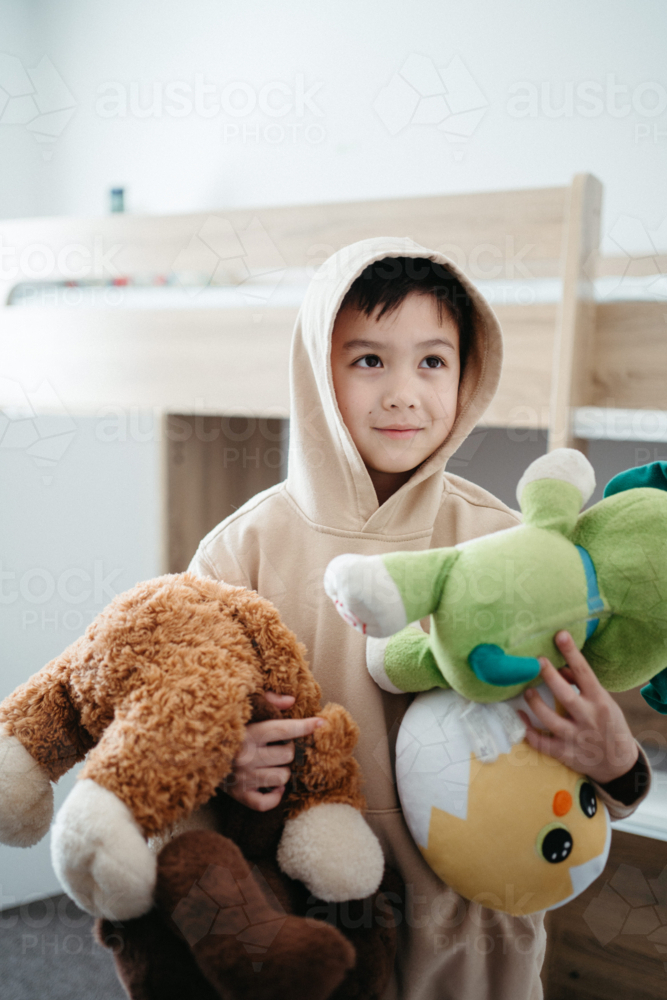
(401, 396)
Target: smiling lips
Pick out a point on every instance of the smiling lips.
(398, 433)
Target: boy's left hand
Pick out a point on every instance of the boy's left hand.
(593, 737)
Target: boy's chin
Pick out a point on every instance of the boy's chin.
(399, 464)
(405, 468)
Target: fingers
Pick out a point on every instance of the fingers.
(543, 742)
(251, 779)
(272, 756)
(277, 730)
(584, 677)
(281, 701)
(259, 801)
(254, 755)
(560, 683)
(267, 746)
(555, 723)
(594, 738)
(266, 777)
(263, 801)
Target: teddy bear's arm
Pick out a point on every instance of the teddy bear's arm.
(41, 716)
(324, 769)
(40, 739)
(164, 756)
(167, 749)
(327, 843)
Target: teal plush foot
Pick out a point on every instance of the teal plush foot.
(655, 693)
(493, 666)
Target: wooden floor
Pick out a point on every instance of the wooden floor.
(611, 942)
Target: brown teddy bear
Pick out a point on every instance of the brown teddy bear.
(156, 695)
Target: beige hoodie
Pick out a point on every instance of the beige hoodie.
(280, 543)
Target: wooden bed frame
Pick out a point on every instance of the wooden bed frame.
(192, 366)
(558, 356)
(200, 362)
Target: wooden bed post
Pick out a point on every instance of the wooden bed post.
(575, 324)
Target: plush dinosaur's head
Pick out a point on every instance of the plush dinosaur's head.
(497, 602)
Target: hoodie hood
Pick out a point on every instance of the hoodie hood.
(326, 477)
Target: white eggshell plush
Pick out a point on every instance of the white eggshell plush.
(500, 823)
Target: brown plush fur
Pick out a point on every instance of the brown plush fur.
(260, 949)
(158, 691)
(208, 894)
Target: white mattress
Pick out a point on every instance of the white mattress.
(286, 289)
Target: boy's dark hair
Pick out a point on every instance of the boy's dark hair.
(387, 282)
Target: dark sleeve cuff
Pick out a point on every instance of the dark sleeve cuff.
(632, 785)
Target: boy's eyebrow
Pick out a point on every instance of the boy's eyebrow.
(354, 345)
(437, 342)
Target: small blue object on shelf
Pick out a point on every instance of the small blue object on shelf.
(117, 199)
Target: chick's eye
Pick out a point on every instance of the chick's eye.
(587, 799)
(432, 362)
(369, 361)
(554, 843)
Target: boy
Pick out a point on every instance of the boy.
(395, 358)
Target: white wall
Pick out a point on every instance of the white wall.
(73, 533)
(349, 51)
(20, 161)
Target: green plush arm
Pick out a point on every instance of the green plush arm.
(379, 595)
(404, 662)
(419, 577)
(554, 488)
(552, 504)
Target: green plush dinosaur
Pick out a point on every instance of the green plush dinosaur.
(497, 602)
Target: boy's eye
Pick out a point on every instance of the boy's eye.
(369, 361)
(432, 362)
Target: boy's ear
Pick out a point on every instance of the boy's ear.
(554, 488)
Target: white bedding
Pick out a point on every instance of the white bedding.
(286, 289)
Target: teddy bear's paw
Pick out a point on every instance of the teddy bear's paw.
(26, 795)
(333, 851)
(100, 855)
(365, 594)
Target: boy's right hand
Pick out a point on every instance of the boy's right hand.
(261, 765)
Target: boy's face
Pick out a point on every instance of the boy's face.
(396, 381)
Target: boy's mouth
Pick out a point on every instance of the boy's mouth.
(398, 433)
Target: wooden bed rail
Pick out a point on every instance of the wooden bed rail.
(558, 356)
(509, 234)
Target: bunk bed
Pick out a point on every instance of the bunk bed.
(190, 316)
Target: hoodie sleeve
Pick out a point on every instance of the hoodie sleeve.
(624, 794)
(219, 563)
